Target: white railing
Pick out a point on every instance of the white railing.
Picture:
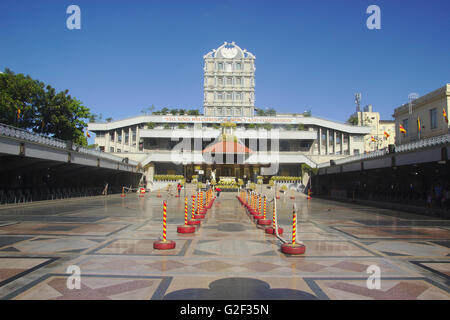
(419, 144)
(21, 134)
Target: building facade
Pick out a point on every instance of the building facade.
(382, 132)
(228, 138)
(229, 82)
(428, 111)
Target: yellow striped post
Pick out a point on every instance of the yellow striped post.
(164, 221)
(185, 211)
(259, 206)
(198, 203)
(274, 213)
(193, 206)
(265, 203)
(294, 224)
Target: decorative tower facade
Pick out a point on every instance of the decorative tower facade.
(229, 82)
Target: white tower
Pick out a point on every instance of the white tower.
(229, 82)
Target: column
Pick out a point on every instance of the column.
(137, 137)
(334, 141)
(350, 152)
(320, 140)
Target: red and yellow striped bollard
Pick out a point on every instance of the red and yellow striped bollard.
(258, 214)
(164, 244)
(293, 247)
(186, 228)
(264, 221)
(271, 230)
(195, 216)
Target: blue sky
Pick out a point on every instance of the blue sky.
(309, 54)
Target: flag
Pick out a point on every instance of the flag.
(402, 130)
(387, 135)
(373, 139)
(444, 114)
(418, 124)
(87, 134)
(18, 114)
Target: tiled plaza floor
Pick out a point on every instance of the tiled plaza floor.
(111, 240)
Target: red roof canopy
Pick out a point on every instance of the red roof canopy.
(227, 147)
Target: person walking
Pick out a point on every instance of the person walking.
(218, 190)
(179, 188)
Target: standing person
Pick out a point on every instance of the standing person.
(179, 188)
(105, 189)
(218, 190)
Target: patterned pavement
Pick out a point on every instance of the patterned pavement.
(111, 240)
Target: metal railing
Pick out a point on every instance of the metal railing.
(21, 134)
(419, 144)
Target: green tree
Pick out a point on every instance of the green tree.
(260, 113)
(267, 126)
(353, 120)
(34, 106)
(148, 110)
(63, 116)
(271, 112)
(289, 127)
(19, 99)
(193, 112)
(164, 110)
(95, 117)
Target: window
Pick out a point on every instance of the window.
(355, 151)
(238, 111)
(220, 80)
(119, 136)
(229, 81)
(433, 118)
(238, 96)
(126, 137)
(220, 66)
(118, 150)
(229, 67)
(219, 111)
(238, 66)
(229, 112)
(219, 96)
(229, 96)
(238, 81)
(111, 149)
